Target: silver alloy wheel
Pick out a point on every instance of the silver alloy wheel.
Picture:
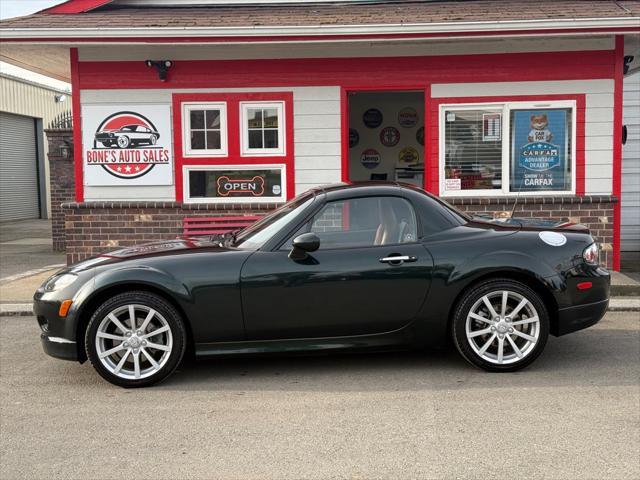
(502, 327)
(123, 142)
(134, 341)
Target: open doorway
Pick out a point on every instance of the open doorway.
(386, 136)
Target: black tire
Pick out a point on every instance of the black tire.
(475, 294)
(146, 299)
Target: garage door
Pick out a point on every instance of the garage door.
(630, 231)
(19, 194)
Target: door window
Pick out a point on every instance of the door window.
(364, 222)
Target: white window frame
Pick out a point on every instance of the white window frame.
(505, 109)
(187, 151)
(245, 151)
(188, 168)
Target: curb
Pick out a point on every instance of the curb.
(616, 304)
(625, 291)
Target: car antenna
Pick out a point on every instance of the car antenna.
(515, 203)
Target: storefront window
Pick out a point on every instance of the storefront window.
(262, 129)
(473, 149)
(540, 150)
(235, 184)
(205, 129)
(536, 154)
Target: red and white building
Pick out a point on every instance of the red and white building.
(187, 108)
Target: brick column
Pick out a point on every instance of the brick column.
(62, 181)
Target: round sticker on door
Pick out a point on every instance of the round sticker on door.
(408, 156)
(420, 136)
(372, 118)
(370, 158)
(408, 117)
(354, 137)
(389, 136)
(554, 239)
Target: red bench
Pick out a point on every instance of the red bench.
(194, 226)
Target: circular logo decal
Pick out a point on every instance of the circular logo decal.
(370, 158)
(420, 136)
(133, 137)
(408, 117)
(372, 118)
(276, 189)
(408, 156)
(389, 136)
(554, 239)
(354, 137)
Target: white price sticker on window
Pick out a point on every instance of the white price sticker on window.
(453, 184)
(451, 117)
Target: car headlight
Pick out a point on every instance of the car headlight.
(58, 282)
(591, 254)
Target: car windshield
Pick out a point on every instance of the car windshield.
(253, 237)
(129, 128)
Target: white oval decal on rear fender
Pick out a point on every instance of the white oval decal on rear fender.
(554, 239)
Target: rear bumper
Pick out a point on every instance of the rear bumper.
(59, 347)
(578, 317)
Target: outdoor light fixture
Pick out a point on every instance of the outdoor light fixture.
(60, 98)
(161, 66)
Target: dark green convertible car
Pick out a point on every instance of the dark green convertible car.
(345, 267)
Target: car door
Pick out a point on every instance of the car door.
(370, 274)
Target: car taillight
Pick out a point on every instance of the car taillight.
(591, 254)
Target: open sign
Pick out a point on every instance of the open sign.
(248, 186)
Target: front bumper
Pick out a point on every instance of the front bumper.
(59, 347)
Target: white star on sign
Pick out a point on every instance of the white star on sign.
(119, 169)
(137, 168)
(127, 169)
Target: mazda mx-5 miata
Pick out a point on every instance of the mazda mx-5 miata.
(345, 267)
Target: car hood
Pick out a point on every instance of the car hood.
(155, 249)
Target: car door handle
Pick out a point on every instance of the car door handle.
(398, 260)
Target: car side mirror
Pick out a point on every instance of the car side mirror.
(303, 244)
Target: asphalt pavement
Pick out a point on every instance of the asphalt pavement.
(575, 413)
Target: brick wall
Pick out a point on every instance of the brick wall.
(97, 227)
(62, 181)
(593, 211)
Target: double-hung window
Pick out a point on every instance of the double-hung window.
(204, 129)
(262, 128)
(507, 148)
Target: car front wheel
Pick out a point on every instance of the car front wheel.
(135, 339)
(500, 325)
(124, 141)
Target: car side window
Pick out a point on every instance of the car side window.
(363, 222)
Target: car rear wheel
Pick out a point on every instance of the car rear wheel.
(123, 141)
(135, 339)
(500, 325)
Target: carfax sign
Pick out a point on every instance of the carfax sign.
(127, 145)
(539, 150)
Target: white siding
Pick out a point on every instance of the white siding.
(316, 112)
(630, 231)
(598, 118)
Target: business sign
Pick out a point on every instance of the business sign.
(491, 127)
(127, 145)
(540, 144)
(254, 186)
(408, 156)
(370, 158)
(372, 118)
(408, 117)
(389, 136)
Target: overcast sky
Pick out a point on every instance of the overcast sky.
(17, 8)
